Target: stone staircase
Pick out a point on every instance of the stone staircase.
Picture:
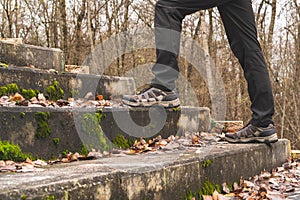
(81, 122)
(47, 131)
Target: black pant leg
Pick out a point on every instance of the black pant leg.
(238, 19)
(168, 19)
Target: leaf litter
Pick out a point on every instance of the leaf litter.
(275, 185)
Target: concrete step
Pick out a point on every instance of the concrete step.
(46, 132)
(77, 85)
(165, 175)
(16, 53)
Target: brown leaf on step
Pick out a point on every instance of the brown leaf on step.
(18, 97)
(248, 184)
(215, 195)
(23, 103)
(263, 194)
(106, 103)
(41, 97)
(74, 156)
(28, 161)
(65, 160)
(171, 138)
(230, 129)
(9, 168)
(39, 163)
(2, 163)
(62, 103)
(236, 187)
(9, 162)
(99, 97)
(265, 175)
(162, 143)
(205, 197)
(195, 139)
(279, 169)
(131, 152)
(225, 188)
(143, 142)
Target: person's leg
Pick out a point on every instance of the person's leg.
(168, 19)
(238, 19)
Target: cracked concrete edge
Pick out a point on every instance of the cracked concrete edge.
(170, 181)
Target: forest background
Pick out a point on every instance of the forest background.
(78, 26)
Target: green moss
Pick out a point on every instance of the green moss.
(91, 126)
(28, 94)
(10, 151)
(230, 186)
(84, 150)
(23, 197)
(42, 130)
(51, 197)
(12, 88)
(206, 163)
(56, 141)
(54, 92)
(64, 153)
(121, 142)
(208, 189)
(176, 109)
(22, 115)
(4, 65)
(3, 90)
(9, 89)
(190, 195)
(74, 92)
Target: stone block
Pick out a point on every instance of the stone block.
(19, 54)
(168, 175)
(90, 127)
(73, 84)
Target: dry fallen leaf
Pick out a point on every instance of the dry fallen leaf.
(18, 97)
(205, 197)
(99, 97)
(215, 195)
(225, 188)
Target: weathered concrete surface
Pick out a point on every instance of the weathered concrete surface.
(75, 127)
(77, 85)
(161, 175)
(25, 55)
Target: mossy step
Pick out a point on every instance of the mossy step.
(46, 132)
(165, 175)
(77, 85)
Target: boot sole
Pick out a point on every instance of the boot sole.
(269, 139)
(166, 104)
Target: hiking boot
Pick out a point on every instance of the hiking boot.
(150, 96)
(252, 133)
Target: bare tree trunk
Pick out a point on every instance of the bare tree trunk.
(64, 27)
(78, 33)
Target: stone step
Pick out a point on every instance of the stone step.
(16, 53)
(46, 132)
(165, 175)
(77, 85)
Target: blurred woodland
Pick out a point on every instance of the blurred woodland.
(78, 26)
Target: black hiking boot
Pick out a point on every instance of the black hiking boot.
(252, 133)
(150, 96)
